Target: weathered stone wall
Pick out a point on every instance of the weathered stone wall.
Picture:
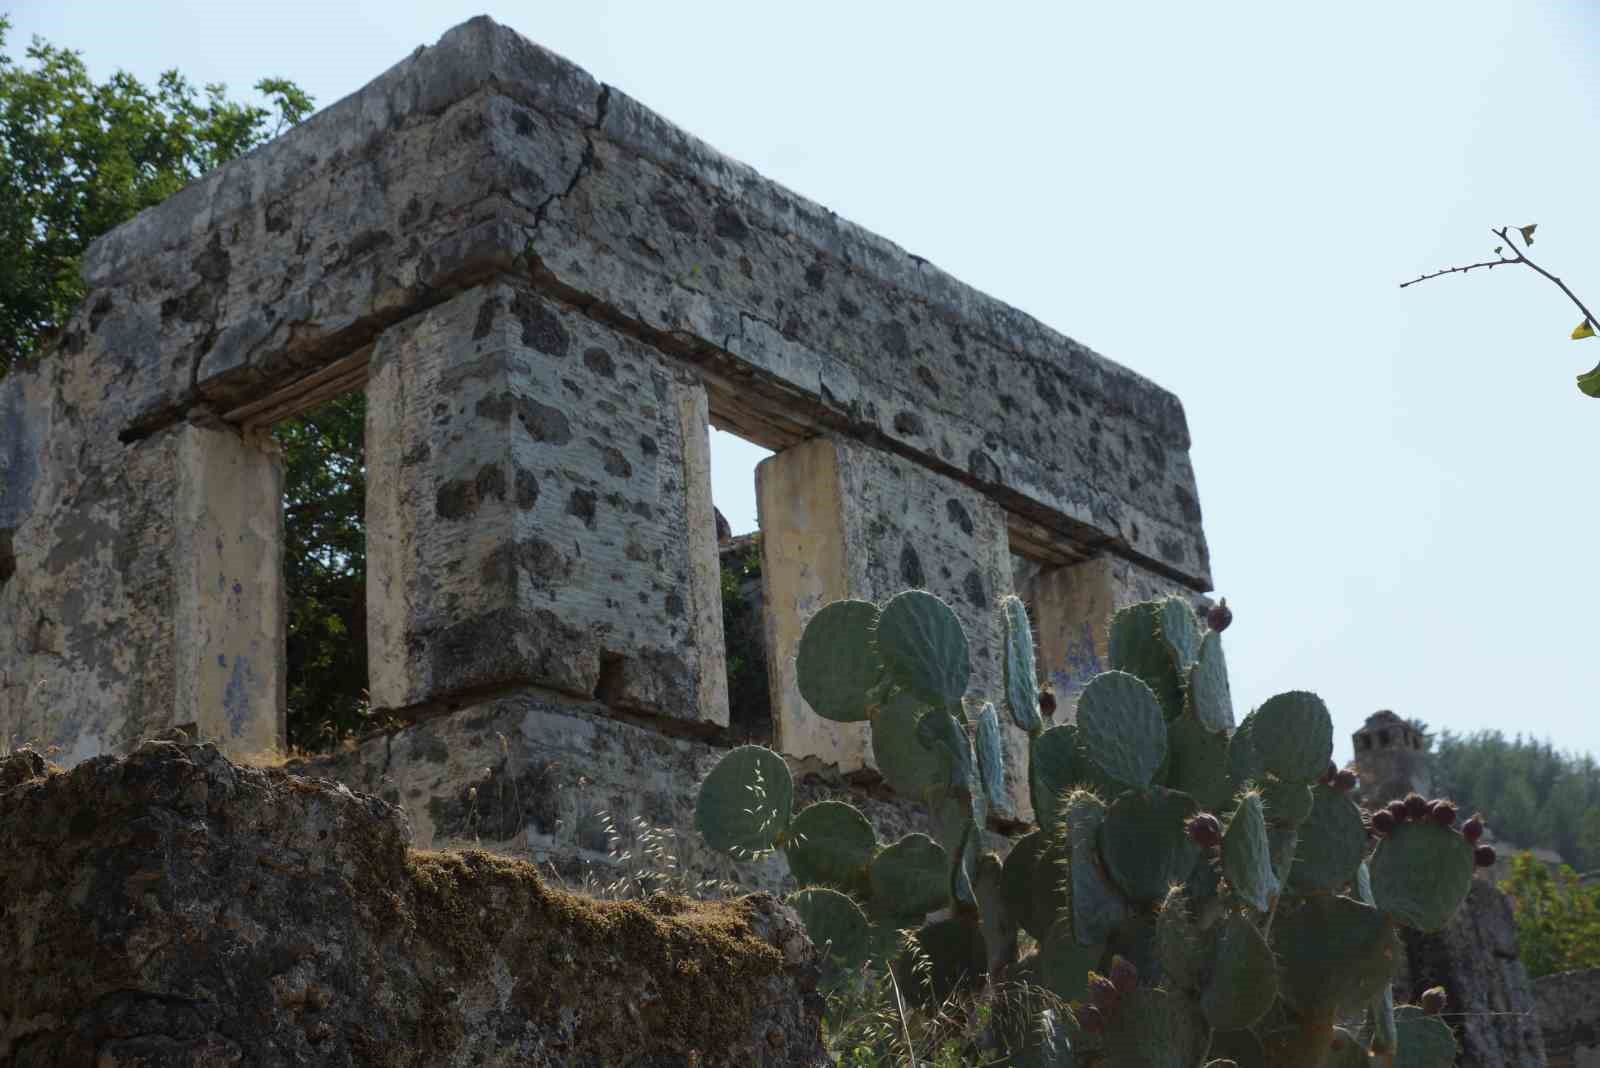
(531, 518)
(547, 291)
(1474, 957)
(171, 907)
(1569, 1014)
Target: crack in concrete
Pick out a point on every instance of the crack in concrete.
(585, 163)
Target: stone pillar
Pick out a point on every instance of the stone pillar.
(539, 513)
(1071, 608)
(230, 680)
(838, 520)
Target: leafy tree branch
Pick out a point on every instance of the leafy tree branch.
(1589, 382)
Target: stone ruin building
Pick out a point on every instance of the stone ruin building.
(1391, 758)
(548, 293)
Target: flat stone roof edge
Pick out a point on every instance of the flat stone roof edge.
(483, 54)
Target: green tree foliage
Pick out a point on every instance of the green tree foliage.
(1529, 792)
(749, 704)
(325, 570)
(1558, 919)
(78, 157)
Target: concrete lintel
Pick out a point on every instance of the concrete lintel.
(305, 250)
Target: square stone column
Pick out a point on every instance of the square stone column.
(539, 513)
(229, 630)
(1071, 608)
(841, 520)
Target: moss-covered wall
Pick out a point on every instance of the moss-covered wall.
(171, 907)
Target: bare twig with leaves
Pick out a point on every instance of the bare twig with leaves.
(1589, 382)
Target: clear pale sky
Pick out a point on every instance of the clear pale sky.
(1399, 486)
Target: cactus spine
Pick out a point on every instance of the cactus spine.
(1200, 893)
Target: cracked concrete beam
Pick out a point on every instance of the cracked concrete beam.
(487, 155)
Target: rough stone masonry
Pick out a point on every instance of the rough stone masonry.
(548, 293)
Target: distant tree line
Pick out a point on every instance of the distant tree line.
(1529, 792)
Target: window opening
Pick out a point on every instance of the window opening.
(733, 491)
(325, 571)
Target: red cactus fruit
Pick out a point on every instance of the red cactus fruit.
(1204, 829)
(1345, 780)
(1433, 1000)
(1382, 821)
(1443, 813)
(1472, 830)
(1397, 811)
(1047, 703)
(1483, 856)
(1220, 616)
(1416, 806)
(1103, 992)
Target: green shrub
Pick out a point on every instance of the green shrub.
(1558, 919)
(1197, 893)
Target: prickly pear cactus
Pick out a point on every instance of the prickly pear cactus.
(1197, 893)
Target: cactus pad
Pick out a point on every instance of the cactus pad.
(911, 875)
(1064, 964)
(1177, 942)
(1122, 728)
(838, 667)
(1208, 697)
(1243, 1048)
(1425, 1041)
(1144, 844)
(939, 731)
(830, 843)
(1198, 763)
(1176, 624)
(957, 816)
(1097, 907)
(924, 647)
(837, 927)
(1247, 855)
(1293, 734)
(1153, 1028)
(909, 767)
(1332, 839)
(1421, 873)
(1053, 769)
(954, 952)
(1287, 803)
(1050, 895)
(1283, 843)
(1244, 980)
(997, 923)
(745, 804)
(1136, 647)
(1334, 953)
(1244, 762)
(1016, 882)
(991, 762)
(1345, 1051)
(1022, 674)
